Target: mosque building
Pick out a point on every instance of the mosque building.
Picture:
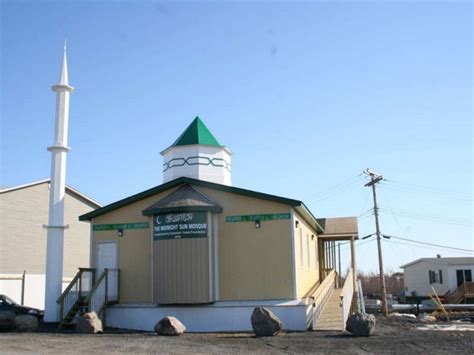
(200, 249)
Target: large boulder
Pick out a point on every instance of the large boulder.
(169, 326)
(89, 323)
(361, 325)
(264, 322)
(7, 321)
(26, 323)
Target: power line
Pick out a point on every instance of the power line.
(429, 188)
(334, 190)
(454, 221)
(464, 198)
(419, 246)
(430, 244)
(466, 220)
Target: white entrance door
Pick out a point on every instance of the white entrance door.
(107, 259)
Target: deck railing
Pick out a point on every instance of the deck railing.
(96, 300)
(322, 295)
(465, 290)
(79, 287)
(347, 294)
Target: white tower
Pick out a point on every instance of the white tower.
(55, 241)
(198, 155)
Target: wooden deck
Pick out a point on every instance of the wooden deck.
(331, 316)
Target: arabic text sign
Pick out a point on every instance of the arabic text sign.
(180, 225)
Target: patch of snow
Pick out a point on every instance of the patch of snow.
(406, 315)
(449, 327)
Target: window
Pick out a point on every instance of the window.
(435, 276)
(301, 248)
(316, 255)
(308, 250)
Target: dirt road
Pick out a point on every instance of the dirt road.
(392, 336)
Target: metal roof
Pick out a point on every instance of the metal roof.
(196, 133)
(448, 261)
(299, 206)
(44, 181)
(185, 198)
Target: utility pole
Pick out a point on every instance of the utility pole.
(374, 179)
(339, 260)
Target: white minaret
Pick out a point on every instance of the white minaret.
(55, 241)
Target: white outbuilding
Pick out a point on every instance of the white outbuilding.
(450, 277)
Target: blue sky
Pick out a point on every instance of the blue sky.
(305, 94)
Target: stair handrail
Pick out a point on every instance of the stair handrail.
(97, 298)
(67, 295)
(322, 294)
(96, 285)
(457, 295)
(347, 295)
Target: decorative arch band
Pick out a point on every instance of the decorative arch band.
(196, 160)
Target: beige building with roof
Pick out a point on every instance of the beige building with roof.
(198, 248)
(23, 212)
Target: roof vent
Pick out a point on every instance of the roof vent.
(438, 256)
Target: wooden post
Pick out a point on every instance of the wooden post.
(106, 295)
(80, 283)
(353, 263)
(23, 288)
(339, 257)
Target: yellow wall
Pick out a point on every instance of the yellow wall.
(254, 263)
(306, 258)
(134, 249)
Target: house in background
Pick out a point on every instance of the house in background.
(23, 212)
(450, 277)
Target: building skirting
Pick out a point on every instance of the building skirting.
(218, 317)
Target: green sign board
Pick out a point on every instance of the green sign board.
(257, 217)
(110, 227)
(180, 225)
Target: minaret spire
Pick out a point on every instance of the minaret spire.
(63, 78)
(56, 226)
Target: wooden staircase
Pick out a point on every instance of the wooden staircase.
(461, 294)
(80, 307)
(331, 315)
(85, 294)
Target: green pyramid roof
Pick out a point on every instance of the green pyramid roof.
(196, 133)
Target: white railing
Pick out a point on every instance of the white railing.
(97, 298)
(347, 294)
(360, 293)
(113, 285)
(78, 287)
(322, 295)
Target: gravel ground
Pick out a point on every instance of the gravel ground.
(391, 336)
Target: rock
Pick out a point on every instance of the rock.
(26, 323)
(7, 321)
(361, 325)
(169, 326)
(264, 322)
(89, 323)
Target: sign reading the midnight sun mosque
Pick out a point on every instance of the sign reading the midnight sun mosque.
(180, 225)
